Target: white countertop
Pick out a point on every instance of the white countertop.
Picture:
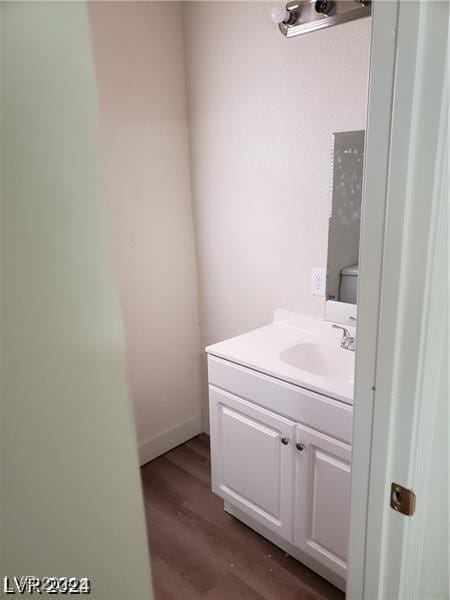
(261, 348)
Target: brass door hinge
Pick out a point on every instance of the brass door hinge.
(402, 499)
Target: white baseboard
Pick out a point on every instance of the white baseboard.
(205, 422)
(169, 439)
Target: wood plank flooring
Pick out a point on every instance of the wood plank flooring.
(200, 552)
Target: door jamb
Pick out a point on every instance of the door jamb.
(402, 297)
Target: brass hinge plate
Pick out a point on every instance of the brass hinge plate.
(402, 499)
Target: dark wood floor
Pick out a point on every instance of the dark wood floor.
(199, 551)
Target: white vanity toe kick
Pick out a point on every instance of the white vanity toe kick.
(319, 412)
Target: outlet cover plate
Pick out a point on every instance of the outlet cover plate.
(318, 281)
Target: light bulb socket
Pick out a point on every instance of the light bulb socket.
(293, 9)
(324, 7)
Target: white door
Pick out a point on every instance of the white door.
(322, 498)
(401, 388)
(252, 460)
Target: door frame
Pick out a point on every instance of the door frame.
(402, 297)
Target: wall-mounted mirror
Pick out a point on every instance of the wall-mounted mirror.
(345, 216)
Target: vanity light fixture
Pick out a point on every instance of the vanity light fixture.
(304, 16)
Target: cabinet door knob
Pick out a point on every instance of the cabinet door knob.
(300, 446)
(285, 441)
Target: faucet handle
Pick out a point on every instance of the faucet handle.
(348, 342)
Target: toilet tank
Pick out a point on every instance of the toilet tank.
(349, 284)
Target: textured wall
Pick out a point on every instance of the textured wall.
(262, 110)
(144, 132)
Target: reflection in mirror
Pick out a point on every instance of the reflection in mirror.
(345, 216)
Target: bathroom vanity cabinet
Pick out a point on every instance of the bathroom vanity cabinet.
(281, 461)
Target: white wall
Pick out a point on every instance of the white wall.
(139, 60)
(71, 503)
(262, 110)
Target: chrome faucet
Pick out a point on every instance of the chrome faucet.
(348, 342)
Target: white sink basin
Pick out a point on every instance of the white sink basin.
(297, 349)
(335, 363)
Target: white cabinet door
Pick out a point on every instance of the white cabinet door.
(252, 460)
(322, 498)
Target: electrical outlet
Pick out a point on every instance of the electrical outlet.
(318, 282)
